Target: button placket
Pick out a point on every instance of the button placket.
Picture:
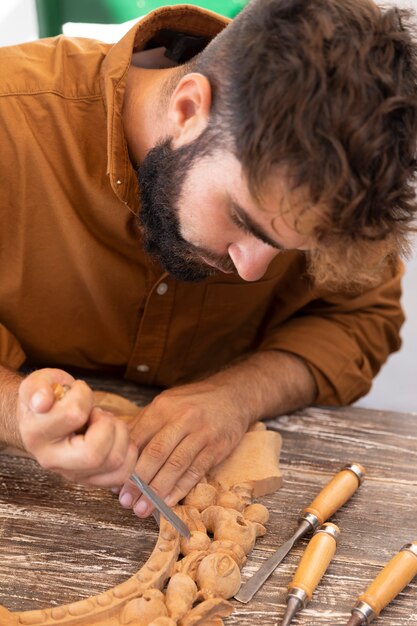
(152, 333)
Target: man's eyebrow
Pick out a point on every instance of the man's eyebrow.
(254, 228)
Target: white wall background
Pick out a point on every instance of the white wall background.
(395, 387)
(17, 21)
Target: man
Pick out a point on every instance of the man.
(254, 272)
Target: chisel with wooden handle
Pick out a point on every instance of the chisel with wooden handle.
(387, 585)
(315, 561)
(59, 393)
(334, 495)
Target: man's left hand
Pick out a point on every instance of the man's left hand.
(181, 435)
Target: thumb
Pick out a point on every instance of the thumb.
(37, 392)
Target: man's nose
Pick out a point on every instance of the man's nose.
(251, 258)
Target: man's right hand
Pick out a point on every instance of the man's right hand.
(102, 455)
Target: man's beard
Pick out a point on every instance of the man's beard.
(161, 178)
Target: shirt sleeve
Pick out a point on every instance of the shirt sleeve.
(11, 353)
(343, 340)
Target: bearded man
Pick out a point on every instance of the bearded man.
(214, 208)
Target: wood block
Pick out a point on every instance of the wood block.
(253, 463)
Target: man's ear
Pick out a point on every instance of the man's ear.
(189, 108)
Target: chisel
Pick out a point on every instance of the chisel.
(315, 561)
(334, 495)
(59, 393)
(163, 508)
(387, 585)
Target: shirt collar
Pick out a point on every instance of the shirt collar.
(183, 18)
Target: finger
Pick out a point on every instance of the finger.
(121, 458)
(152, 459)
(119, 475)
(65, 417)
(146, 426)
(158, 415)
(78, 405)
(82, 454)
(36, 391)
(203, 463)
(185, 459)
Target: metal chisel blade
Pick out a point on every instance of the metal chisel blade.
(248, 589)
(163, 508)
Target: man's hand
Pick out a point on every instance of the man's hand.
(181, 435)
(188, 430)
(102, 454)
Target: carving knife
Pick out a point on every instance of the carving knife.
(387, 585)
(315, 561)
(334, 495)
(59, 392)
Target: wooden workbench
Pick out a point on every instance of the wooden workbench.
(61, 542)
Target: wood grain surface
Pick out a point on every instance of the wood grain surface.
(61, 542)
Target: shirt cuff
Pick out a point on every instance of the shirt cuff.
(342, 372)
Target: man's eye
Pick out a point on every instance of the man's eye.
(238, 221)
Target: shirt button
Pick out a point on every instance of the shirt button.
(161, 289)
(143, 367)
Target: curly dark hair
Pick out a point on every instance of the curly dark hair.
(326, 92)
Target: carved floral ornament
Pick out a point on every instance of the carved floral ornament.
(185, 582)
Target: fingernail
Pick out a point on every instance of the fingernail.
(126, 500)
(115, 490)
(37, 400)
(140, 508)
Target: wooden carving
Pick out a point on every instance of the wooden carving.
(193, 590)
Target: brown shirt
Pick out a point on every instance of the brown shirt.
(76, 288)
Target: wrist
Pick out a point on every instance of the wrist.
(266, 384)
(9, 428)
(239, 392)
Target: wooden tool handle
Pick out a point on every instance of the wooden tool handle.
(394, 577)
(316, 559)
(59, 390)
(335, 494)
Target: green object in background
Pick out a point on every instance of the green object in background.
(52, 14)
